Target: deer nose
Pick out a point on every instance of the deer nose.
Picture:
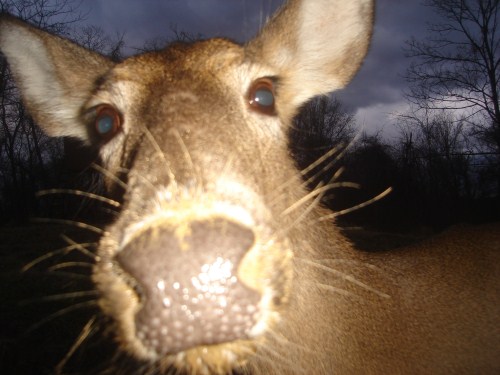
(186, 279)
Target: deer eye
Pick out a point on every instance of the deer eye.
(261, 96)
(107, 122)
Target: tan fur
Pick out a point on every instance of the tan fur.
(194, 150)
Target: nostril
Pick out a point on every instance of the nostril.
(190, 291)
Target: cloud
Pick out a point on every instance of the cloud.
(379, 84)
(380, 118)
(143, 20)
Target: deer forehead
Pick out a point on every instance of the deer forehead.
(205, 82)
(206, 68)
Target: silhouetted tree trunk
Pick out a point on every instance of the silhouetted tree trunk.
(321, 126)
(458, 67)
(435, 165)
(29, 159)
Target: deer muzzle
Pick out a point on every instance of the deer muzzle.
(187, 282)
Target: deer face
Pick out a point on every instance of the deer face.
(197, 269)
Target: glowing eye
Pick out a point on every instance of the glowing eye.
(261, 96)
(107, 122)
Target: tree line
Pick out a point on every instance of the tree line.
(444, 166)
(438, 173)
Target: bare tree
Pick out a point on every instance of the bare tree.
(458, 67)
(160, 42)
(55, 16)
(436, 165)
(29, 160)
(94, 38)
(322, 127)
(322, 124)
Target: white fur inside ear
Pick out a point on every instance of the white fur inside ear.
(315, 46)
(327, 30)
(328, 26)
(36, 75)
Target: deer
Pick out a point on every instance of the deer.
(220, 260)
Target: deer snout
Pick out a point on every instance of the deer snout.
(187, 282)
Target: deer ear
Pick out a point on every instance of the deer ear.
(55, 76)
(314, 46)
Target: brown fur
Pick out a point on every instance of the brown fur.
(193, 150)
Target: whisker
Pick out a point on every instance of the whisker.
(109, 175)
(109, 211)
(321, 159)
(318, 191)
(59, 297)
(151, 370)
(72, 275)
(185, 151)
(61, 312)
(327, 155)
(337, 174)
(84, 335)
(356, 207)
(281, 358)
(331, 163)
(323, 169)
(69, 222)
(344, 276)
(315, 203)
(80, 246)
(70, 264)
(306, 183)
(278, 190)
(124, 170)
(109, 201)
(279, 337)
(227, 165)
(334, 289)
(354, 262)
(146, 181)
(166, 163)
(62, 251)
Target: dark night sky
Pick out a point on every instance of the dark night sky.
(375, 93)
